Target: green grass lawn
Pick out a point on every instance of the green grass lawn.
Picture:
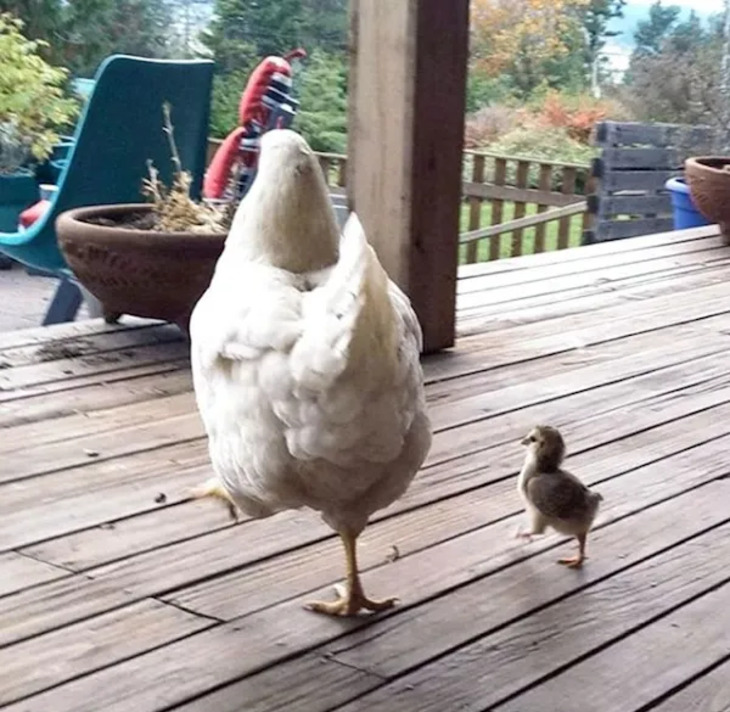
(528, 235)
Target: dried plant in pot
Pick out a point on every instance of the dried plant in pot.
(708, 178)
(151, 259)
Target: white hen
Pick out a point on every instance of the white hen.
(306, 363)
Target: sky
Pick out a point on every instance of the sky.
(619, 48)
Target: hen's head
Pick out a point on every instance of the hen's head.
(282, 151)
(287, 218)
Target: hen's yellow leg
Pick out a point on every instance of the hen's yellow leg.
(351, 598)
(214, 488)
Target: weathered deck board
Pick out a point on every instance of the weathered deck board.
(491, 602)
(555, 636)
(586, 264)
(601, 295)
(492, 294)
(671, 241)
(84, 647)
(19, 572)
(122, 388)
(656, 656)
(115, 598)
(708, 693)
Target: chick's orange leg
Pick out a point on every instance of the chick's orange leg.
(351, 598)
(576, 562)
(214, 488)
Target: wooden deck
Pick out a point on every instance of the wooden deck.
(118, 594)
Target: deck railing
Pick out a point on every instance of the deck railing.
(512, 205)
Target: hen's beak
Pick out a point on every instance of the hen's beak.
(525, 440)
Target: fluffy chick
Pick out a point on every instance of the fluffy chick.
(552, 496)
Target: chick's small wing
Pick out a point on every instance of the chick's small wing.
(558, 495)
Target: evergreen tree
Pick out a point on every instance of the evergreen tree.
(322, 91)
(244, 28)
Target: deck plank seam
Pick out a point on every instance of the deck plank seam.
(165, 367)
(721, 260)
(607, 644)
(100, 668)
(686, 683)
(386, 515)
(542, 607)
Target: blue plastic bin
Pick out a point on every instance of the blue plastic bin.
(684, 212)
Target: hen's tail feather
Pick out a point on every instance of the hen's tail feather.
(330, 313)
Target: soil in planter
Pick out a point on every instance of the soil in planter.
(145, 221)
(131, 221)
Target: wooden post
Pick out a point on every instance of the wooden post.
(406, 127)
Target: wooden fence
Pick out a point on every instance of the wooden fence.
(512, 205)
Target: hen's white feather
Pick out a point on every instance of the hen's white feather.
(308, 382)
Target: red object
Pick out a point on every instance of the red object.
(33, 213)
(216, 177)
(253, 115)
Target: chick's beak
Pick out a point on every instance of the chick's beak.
(525, 440)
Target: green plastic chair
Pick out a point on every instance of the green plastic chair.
(119, 131)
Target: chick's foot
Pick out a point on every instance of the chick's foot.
(572, 562)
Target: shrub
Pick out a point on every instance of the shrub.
(543, 143)
(577, 114)
(548, 143)
(33, 106)
(488, 125)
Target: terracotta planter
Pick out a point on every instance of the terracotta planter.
(139, 272)
(709, 184)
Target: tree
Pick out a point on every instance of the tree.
(81, 33)
(527, 40)
(594, 18)
(675, 73)
(41, 21)
(94, 29)
(32, 101)
(322, 91)
(502, 30)
(242, 29)
(324, 25)
(651, 33)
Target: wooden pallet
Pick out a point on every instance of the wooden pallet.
(635, 163)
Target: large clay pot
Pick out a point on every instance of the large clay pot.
(139, 272)
(708, 178)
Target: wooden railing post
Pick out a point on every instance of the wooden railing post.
(568, 188)
(523, 173)
(546, 176)
(475, 207)
(500, 178)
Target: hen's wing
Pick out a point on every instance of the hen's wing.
(334, 354)
(559, 495)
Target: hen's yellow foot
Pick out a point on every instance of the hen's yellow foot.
(214, 488)
(350, 603)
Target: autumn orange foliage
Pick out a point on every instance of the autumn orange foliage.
(578, 115)
(503, 28)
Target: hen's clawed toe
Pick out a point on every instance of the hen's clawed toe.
(350, 603)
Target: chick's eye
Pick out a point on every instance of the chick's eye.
(533, 439)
